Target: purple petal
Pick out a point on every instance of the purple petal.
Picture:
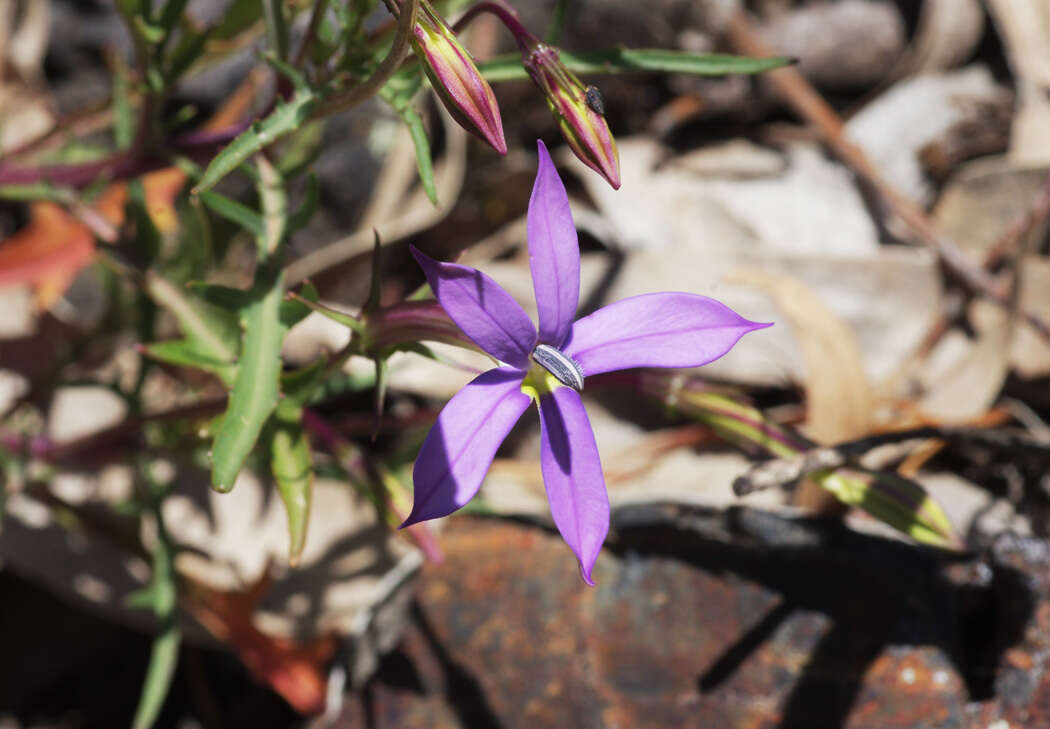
(460, 447)
(482, 309)
(554, 253)
(572, 474)
(656, 330)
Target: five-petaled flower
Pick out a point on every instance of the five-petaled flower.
(652, 330)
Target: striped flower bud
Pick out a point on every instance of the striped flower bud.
(578, 109)
(456, 79)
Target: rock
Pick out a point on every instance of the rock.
(735, 618)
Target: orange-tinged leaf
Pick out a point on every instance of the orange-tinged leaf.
(297, 671)
(47, 253)
(162, 187)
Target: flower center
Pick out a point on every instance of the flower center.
(559, 364)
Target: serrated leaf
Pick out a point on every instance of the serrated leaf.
(234, 211)
(256, 386)
(627, 60)
(284, 119)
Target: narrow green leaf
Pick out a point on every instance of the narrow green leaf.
(337, 316)
(34, 191)
(213, 330)
(284, 119)
(163, 659)
(239, 16)
(301, 217)
(189, 49)
(170, 15)
(189, 353)
(123, 117)
(293, 308)
(234, 211)
(301, 149)
(255, 389)
(421, 143)
(150, 32)
(292, 465)
(625, 60)
(342, 384)
(276, 27)
(299, 386)
(163, 589)
(557, 25)
(399, 92)
(224, 297)
(148, 239)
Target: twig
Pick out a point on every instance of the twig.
(51, 452)
(780, 471)
(809, 104)
(411, 218)
(1037, 212)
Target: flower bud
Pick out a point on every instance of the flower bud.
(578, 109)
(456, 79)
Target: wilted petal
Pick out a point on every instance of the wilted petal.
(554, 253)
(656, 330)
(460, 447)
(572, 474)
(482, 309)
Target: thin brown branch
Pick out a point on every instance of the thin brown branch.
(781, 471)
(811, 106)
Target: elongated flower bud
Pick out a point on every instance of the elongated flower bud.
(456, 79)
(579, 110)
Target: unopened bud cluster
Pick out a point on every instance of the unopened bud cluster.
(578, 108)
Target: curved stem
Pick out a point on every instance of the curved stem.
(405, 22)
(507, 15)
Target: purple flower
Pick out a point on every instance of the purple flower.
(653, 330)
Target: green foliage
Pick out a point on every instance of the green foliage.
(627, 60)
(176, 289)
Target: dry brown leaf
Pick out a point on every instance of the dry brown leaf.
(981, 198)
(947, 34)
(1030, 351)
(839, 398)
(1025, 28)
(964, 376)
